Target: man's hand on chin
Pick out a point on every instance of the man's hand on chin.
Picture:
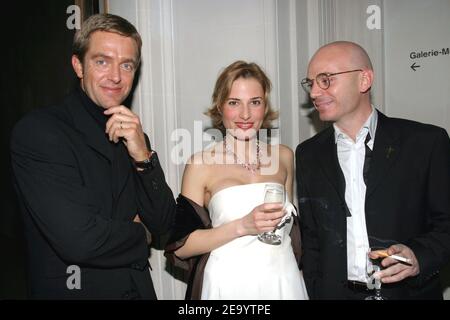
(126, 126)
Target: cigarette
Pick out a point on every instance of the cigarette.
(383, 253)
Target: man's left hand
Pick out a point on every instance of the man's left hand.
(396, 271)
(123, 123)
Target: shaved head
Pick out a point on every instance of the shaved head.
(342, 94)
(352, 54)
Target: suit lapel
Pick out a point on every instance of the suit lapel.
(330, 164)
(385, 152)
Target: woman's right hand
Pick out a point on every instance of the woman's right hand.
(262, 218)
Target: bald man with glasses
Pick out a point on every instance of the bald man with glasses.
(369, 181)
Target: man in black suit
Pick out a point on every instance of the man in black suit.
(369, 181)
(88, 180)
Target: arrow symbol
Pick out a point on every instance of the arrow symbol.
(414, 66)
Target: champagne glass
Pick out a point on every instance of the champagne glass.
(273, 193)
(372, 266)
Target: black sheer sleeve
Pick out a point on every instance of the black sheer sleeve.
(189, 217)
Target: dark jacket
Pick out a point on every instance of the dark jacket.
(79, 193)
(407, 201)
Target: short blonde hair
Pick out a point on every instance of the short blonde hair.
(222, 89)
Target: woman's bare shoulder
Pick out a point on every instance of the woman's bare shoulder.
(285, 153)
(286, 150)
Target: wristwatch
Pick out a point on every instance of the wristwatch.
(148, 163)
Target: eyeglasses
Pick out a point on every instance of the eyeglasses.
(322, 80)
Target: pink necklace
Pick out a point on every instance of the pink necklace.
(252, 167)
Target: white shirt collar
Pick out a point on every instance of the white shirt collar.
(370, 124)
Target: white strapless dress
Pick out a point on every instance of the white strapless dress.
(246, 268)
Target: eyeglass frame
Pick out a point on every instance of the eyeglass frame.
(310, 82)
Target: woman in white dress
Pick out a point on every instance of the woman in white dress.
(221, 208)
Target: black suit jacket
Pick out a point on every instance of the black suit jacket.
(407, 201)
(78, 206)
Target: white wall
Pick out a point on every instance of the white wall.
(415, 26)
(211, 34)
(188, 42)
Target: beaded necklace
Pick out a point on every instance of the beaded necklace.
(252, 167)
